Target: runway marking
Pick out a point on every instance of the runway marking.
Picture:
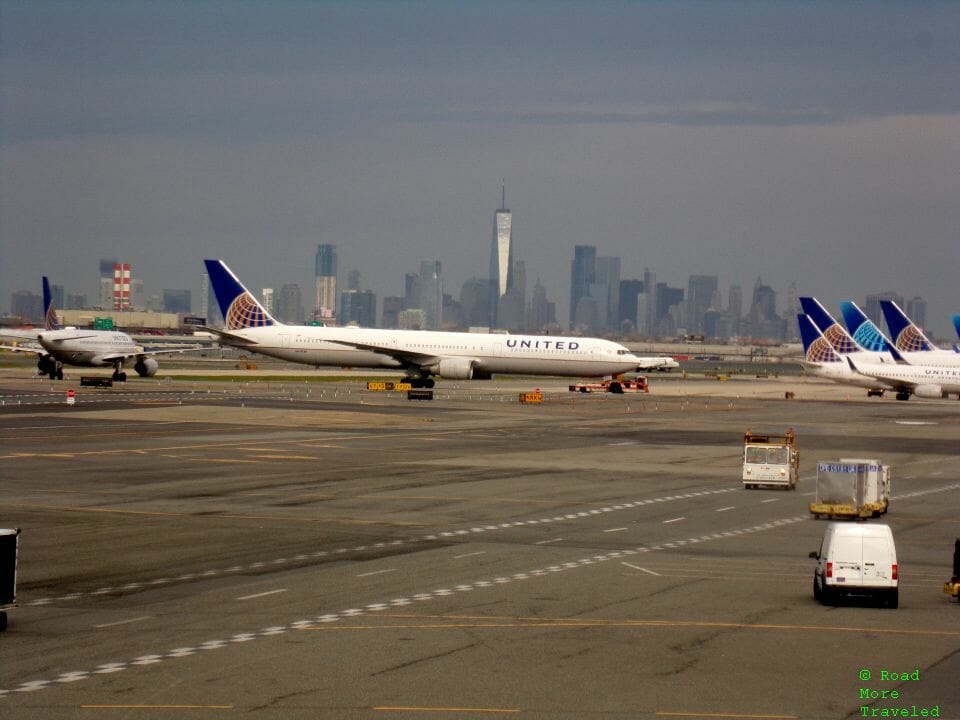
(770, 500)
(547, 542)
(262, 594)
(377, 572)
(637, 567)
(313, 622)
(724, 509)
(677, 519)
(472, 554)
(391, 708)
(321, 553)
(124, 622)
(619, 529)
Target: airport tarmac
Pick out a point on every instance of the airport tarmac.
(297, 549)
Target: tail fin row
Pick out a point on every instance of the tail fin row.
(239, 307)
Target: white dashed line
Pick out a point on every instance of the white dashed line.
(673, 520)
(377, 572)
(724, 509)
(262, 594)
(636, 567)
(124, 622)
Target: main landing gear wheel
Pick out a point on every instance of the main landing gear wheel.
(119, 377)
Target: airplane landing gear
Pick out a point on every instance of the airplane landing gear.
(421, 382)
(903, 395)
(119, 376)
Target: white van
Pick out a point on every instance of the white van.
(856, 559)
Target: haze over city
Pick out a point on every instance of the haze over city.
(807, 143)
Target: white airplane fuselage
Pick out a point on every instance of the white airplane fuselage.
(450, 354)
(87, 348)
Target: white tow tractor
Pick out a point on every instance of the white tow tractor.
(770, 460)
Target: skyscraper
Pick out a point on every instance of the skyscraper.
(501, 258)
(325, 305)
(431, 294)
(700, 292)
(582, 276)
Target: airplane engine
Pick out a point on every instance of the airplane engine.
(455, 368)
(928, 391)
(147, 367)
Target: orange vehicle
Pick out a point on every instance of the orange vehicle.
(618, 386)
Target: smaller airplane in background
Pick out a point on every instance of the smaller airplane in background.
(660, 364)
(820, 359)
(56, 346)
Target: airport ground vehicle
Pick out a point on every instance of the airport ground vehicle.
(618, 386)
(8, 572)
(856, 559)
(851, 488)
(953, 586)
(770, 460)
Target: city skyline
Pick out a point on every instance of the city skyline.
(675, 309)
(811, 143)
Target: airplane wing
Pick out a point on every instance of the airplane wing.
(865, 370)
(36, 350)
(21, 334)
(146, 352)
(404, 357)
(229, 338)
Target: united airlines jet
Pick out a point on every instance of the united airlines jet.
(89, 348)
(420, 354)
(867, 334)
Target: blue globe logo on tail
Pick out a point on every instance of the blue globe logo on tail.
(244, 312)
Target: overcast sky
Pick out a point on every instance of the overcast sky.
(814, 143)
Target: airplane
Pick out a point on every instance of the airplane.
(924, 381)
(820, 358)
(421, 354)
(839, 338)
(660, 364)
(910, 341)
(56, 346)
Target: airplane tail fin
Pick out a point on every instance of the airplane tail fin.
(49, 311)
(907, 337)
(863, 330)
(239, 307)
(956, 324)
(816, 348)
(832, 330)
